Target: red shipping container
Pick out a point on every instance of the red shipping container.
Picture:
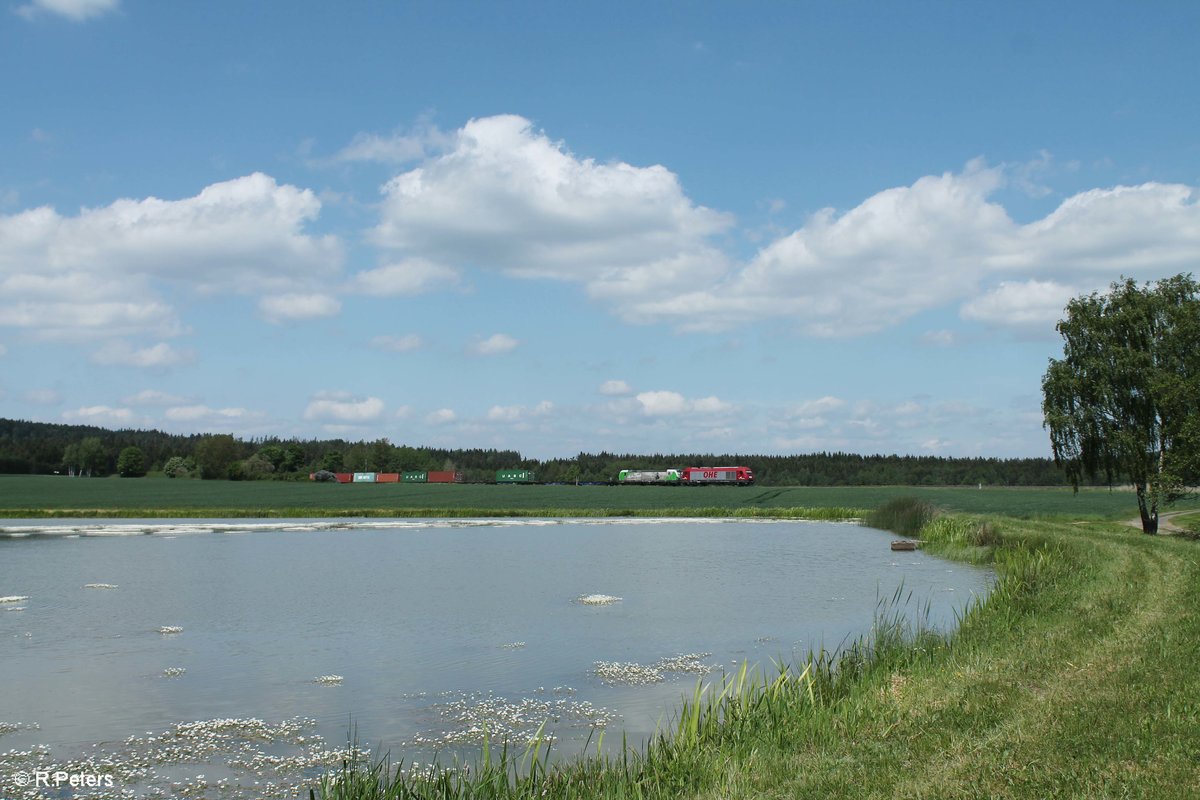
(345, 477)
(442, 477)
(387, 477)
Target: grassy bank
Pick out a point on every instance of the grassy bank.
(48, 496)
(1077, 678)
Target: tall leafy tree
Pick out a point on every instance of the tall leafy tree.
(215, 454)
(1124, 400)
(131, 463)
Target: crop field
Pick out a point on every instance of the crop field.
(32, 496)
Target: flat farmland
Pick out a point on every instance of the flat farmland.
(35, 496)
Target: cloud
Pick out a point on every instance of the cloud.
(939, 338)
(153, 397)
(293, 307)
(1025, 305)
(109, 271)
(942, 241)
(506, 197)
(104, 416)
(407, 277)
(615, 388)
(201, 413)
(398, 147)
(123, 354)
(442, 416)
(495, 344)
(397, 344)
(667, 403)
(822, 405)
(43, 397)
(344, 408)
(74, 10)
(513, 414)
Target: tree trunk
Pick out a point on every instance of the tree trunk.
(1148, 507)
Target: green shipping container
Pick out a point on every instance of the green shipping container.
(414, 477)
(515, 476)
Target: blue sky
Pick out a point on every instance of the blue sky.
(565, 227)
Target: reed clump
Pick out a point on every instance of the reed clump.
(905, 516)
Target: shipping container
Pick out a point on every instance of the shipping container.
(648, 476)
(387, 477)
(515, 476)
(413, 477)
(739, 476)
(344, 477)
(444, 477)
(364, 477)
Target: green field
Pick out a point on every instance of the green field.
(29, 496)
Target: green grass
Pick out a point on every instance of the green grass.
(1189, 522)
(37, 496)
(1076, 678)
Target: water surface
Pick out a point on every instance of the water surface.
(422, 620)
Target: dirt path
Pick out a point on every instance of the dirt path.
(1165, 524)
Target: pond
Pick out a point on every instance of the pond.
(207, 655)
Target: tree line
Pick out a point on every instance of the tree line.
(48, 448)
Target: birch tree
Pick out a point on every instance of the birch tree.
(1124, 400)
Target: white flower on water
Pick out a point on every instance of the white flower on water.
(170, 629)
(598, 599)
(173, 672)
(100, 586)
(329, 680)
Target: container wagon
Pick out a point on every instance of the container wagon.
(443, 477)
(515, 476)
(728, 476)
(648, 476)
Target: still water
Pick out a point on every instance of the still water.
(436, 629)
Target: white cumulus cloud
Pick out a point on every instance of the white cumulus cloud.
(159, 356)
(507, 197)
(406, 277)
(291, 307)
(494, 345)
(941, 242)
(615, 388)
(518, 413)
(1024, 304)
(442, 416)
(397, 344)
(344, 408)
(668, 403)
(103, 416)
(74, 10)
(111, 271)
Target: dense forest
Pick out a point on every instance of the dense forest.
(45, 448)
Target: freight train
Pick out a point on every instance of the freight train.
(417, 476)
(688, 476)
